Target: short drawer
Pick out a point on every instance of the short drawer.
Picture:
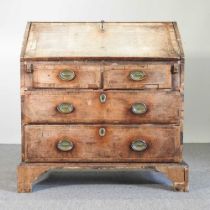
(138, 76)
(87, 143)
(101, 107)
(66, 76)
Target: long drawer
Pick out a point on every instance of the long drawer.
(102, 143)
(101, 107)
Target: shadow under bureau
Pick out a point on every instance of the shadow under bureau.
(102, 95)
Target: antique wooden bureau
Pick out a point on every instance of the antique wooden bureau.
(102, 95)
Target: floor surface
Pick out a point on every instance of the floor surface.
(107, 190)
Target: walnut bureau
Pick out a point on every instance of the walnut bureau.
(102, 95)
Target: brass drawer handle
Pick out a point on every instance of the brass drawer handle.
(65, 145)
(138, 145)
(139, 108)
(67, 75)
(137, 75)
(65, 108)
(102, 132)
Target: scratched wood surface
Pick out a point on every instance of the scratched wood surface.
(163, 143)
(177, 172)
(162, 107)
(158, 76)
(100, 75)
(47, 76)
(102, 57)
(118, 40)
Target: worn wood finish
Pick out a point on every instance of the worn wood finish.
(25, 40)
(87, 40)
(179, 41)
(47, 76)
(176, 172)
(101, 129)
(40, 107)
(163, 144)
(157, 76)
(95, 75)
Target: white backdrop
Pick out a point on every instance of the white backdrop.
(193, 17)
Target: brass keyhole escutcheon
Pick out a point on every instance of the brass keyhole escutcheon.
(102, 132)
(102, 98)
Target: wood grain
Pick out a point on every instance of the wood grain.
(178, 38)
(102, 61)
(177, 172)
(163, 143)
(86, 40)
(47, 76)
(158, 76)
(104, 75)
(25, 40)
(40, 107)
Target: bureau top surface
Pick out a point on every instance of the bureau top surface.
(97, 40)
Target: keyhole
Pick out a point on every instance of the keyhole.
(102, 98)
(102, 132)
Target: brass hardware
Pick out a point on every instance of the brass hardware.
(65, 145)
(65, 108)
(102, 98)
(139, 108)
(102, 132)
(138, 145)
(67, 75)
(29, 68)
(102, 25)
(137, 75)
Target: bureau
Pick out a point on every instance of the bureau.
(102, 95)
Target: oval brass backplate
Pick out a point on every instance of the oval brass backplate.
(102, 98)
(65, 145)
(138, 145)
(102, 131)
(65, 108)
(137, 75)
(139, 108)
(67, 75)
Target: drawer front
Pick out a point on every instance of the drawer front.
(66, 76)
(101, 107)
(119, 143)
(138, 77)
